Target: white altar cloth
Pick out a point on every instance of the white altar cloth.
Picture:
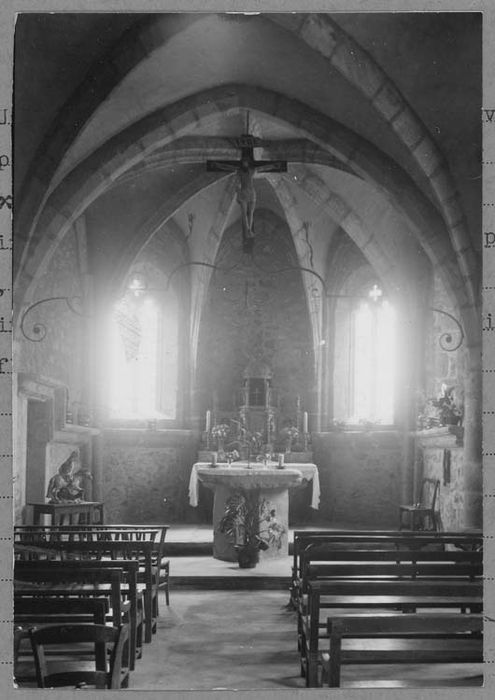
(308, 471)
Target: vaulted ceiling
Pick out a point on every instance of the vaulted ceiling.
(377, 115)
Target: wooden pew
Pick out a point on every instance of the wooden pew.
(405, 595)
(30, 534)
(70, 579)
(392, 564)
(315, 541)
(143, 552)
(386, 564)
(129, 590)
(30, 609)
(431, 638)
(325, 561)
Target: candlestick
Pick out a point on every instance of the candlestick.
(305, 422)
(208, 421)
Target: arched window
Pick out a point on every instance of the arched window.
(365, 361)
(143, 357)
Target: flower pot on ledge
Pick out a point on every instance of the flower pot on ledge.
(247, 556)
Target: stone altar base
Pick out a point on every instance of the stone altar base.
(268, 483)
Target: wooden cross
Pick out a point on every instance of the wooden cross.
(246, 167)
(247, 143)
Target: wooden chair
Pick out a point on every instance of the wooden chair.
(31, 610)
(422, 515)
(65, 670)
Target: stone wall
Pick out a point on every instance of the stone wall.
(440, 457)
(443, 366)
(359, 477)
(256, 313)
(142, 468)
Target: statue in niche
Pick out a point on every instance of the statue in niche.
(66, 485)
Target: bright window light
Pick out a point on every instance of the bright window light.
(139, 336)
(374, 360)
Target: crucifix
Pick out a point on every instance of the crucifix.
(246, 168)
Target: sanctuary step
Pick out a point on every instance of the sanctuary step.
(190, 551)
(197, 540)
(205, 572)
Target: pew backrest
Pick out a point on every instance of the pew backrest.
(72, 578)
(402, 638)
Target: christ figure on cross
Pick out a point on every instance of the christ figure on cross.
(246, 168)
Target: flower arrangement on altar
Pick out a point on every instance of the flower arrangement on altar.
(289, 433)
(245, 442)
(221, 431)
(255, 441)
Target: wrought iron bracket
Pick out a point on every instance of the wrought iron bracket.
(446, 340)
(38, 331)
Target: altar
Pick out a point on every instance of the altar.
(269, 483)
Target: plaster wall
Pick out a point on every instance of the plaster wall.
(359, 477)
(59, 356)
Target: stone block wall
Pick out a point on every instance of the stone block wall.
(142, 468)
(255, 312)
(359, 477)
(443, 366)
(434, 463)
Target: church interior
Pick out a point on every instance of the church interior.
(247, 269)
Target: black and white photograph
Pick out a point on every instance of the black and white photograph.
(247, 351)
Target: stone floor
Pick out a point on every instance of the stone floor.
(230, 629)
(212, 640)
(246, 640)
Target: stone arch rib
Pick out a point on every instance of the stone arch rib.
(100, 170)
(355, 64)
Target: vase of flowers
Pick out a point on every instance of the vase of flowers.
(250, 523)
(220, 433)
(290, 433)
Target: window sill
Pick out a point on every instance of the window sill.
(359, 428)
(141, 437)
